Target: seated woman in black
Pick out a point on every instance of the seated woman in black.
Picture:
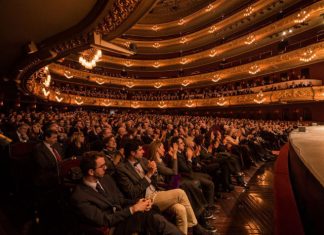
(77, 146)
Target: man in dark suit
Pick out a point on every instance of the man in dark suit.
(20, 135)
(100, 203)
(137, 178)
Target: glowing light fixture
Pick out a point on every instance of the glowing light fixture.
(130, 84)
(89, 58)
(135, 105)
(212, 29)
(181, 22)
(156, 64)
(185, 83)
(45, 92)
(158, 85)
(128, 63)
(106, 103)
(307, 55)
(58, 99)
(183, 40)
(249, 39)
(209, 8)
(301, 17)
(155, 28)
(78, 100)
(254, 69)
(156, 45)
(100, 81)
(212, 53)
(162, 104)
(221, 101)
(184, 60)
(216, 78)
(68, 74)
(248, 11)
(259, 98)
(190, 104)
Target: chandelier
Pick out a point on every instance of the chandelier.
(254, 69)
(259, 98)
(89, 58)
(308, 55)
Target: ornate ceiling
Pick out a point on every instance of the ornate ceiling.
(172, 43)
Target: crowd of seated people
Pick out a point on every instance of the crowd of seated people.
(144, 164)
(228, 89)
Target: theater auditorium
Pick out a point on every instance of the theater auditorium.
(162, 117)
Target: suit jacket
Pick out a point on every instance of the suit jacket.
(97, 209)
(130, 182)
(184, 166)
(46, 166)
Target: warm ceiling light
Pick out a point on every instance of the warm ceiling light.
(58, 99)
(78, 100)
(216, 78)
(190, 103)
(158, 85)
(68, 74)
(89, 58)
(259, 98)
(183, 40)
(185, 83)
(100, 81)
(128, 63)
(212, 29)
(307, 55)
(248, 11)
(127, 44)
(156, 64)
(156, 45)
(301, 17)
(130, 84)
(249, 39)
(46, 70)
(45, 92)
(155, 28)
(212, 53)
(254, 69)
(184, 60)
(57, 92)
(162, 104)
(181, 22)
(209, 7)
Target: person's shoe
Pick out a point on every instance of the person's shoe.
(199, 230)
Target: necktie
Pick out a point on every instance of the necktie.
(56, 154)
(100, 190)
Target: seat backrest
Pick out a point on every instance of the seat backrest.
(21, 151)
(67, 165)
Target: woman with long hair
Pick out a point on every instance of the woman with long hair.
(77, 145)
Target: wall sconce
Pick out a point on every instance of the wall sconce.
(106, 103)
(184, 60)
(181, 22)
(128, 63)
(212, 53)
(58, 99)
(89, 58)
(100, 81)
(183, 40)
(156, 64)
(130, 84)
(78, 100)
(209, 8)
(155, 28)
(135, 105)
(307, 55)
(221, 101)
(45, 92)
(212, 29)
(248, 11)
(190, 104)
(254, 69)
(156, 45)
(158, 85)
(185, 83)
(68, 74)
(259, 98)
(216, 78)
(249, 39)
(161, 104)
(301, 17)
(47, 81)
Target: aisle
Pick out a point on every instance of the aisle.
(251, 211)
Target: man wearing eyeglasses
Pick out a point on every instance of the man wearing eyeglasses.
(99, 202)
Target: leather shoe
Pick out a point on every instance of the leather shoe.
(199, 230)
